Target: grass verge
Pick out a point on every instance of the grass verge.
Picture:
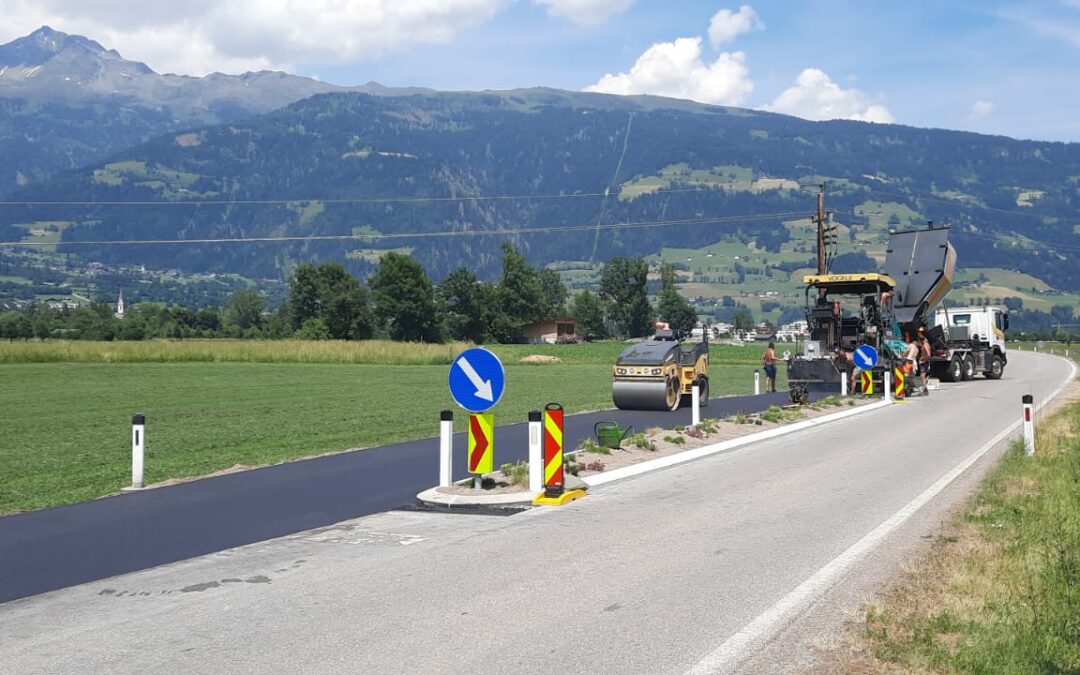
(999, 591)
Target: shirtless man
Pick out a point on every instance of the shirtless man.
(769, 361)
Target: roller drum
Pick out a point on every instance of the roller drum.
(651, 395)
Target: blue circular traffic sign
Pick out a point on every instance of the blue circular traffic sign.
(865, 357)
(477, 379)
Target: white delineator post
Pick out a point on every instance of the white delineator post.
(843, 383)
(446, 448)
(757, 383)
(138, 449)
(536, 452)
(886, 384)
(695, 406)
(1029, 424)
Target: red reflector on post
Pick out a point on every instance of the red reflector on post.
(1027, 414)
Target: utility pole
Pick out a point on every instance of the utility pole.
(819, 220)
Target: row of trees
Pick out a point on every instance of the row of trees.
(399, 301)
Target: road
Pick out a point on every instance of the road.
(55, 548)
(697, 568)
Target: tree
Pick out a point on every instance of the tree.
(313, 329)
(744, 320)
(461, 301)
(672, 307)
(404, 299)
(589, 312)
(332, 295)
(244, 309)
(519, 297)
(624, 292)
(553, 295)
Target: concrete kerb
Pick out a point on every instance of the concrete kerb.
(705, 451)
(433, 497)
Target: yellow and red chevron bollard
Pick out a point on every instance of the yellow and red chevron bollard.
(867, 381)
(555, 492)
(554, 472)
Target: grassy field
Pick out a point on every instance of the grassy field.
(66, 423)
(1000, 590)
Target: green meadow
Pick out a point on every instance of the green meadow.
(67, 407)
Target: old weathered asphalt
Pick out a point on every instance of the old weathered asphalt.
(55, 548)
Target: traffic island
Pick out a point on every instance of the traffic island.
(498, 491)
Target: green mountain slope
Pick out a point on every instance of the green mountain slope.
(445, 162)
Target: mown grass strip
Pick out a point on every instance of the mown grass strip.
(376, 352)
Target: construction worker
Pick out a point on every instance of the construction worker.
(769, 361)
(911, 355)
(924, 360)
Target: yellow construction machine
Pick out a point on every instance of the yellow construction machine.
(656, 374)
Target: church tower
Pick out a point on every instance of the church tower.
(120, 306)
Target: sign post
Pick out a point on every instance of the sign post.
(477, 381)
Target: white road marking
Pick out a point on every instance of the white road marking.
(753, 635)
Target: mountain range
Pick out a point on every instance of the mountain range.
(165, 157)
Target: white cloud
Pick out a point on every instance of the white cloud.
(677, 69)
(727, 25)
(816, 97)
(979, 110)
(199, 36)
(585, 12)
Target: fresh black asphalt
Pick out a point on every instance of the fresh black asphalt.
(60, 547)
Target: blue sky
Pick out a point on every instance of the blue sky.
(993, 67)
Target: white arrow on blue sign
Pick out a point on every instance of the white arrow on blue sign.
(477, 379)
(866, 357)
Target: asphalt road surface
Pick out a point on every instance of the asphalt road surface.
(55, 548)
(693, 569)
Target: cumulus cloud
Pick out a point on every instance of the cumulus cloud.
(726, 25)
(979, 110)
(678, 69)
(585, 12)
(199, 36)
(816, 97)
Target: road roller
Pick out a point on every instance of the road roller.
(659, 374)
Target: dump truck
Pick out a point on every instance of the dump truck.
(659, 374)
(965, 341)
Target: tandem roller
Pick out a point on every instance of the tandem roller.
(657, 373)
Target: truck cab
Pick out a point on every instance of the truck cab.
(966, 341)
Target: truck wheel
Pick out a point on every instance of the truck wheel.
(969, 368)
(954, 372)
(703, 392)
(997, 368)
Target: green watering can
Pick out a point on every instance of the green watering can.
(610, 434)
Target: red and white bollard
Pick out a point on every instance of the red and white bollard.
(1029, 424)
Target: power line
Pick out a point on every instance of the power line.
(316, 200)
(416, 235)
